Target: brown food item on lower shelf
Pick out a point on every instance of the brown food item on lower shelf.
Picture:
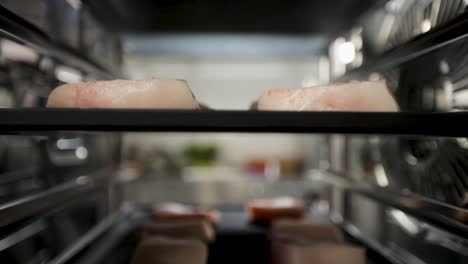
(162, 250)
(177, 211)
(264, 211)
(320, 254)
(354, 97)
(304, 232)
(195, 228)
(125, 94)
(302, 242)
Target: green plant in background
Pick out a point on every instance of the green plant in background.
(200, 154)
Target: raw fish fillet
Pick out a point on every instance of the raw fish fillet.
(126, 94)
(353, 97)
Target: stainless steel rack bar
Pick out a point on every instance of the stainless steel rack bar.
(28, 231)
(441, 214)
(403, 123)
(455, 30)
(51, 199)
(439, 227)
(105, 244)
(389, 255)
(86, 239)
(19, 30)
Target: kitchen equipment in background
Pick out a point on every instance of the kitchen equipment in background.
(274, 169)
(200, 154)
(158, 163)
(151, 164)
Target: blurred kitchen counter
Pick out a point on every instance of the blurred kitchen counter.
(219, 186)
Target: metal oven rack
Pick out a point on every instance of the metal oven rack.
(50, 197)
(436, 215)
(438, 229)
(424, 189)
(437, 124)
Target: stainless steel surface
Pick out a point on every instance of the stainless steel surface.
(17, 29)
(48, 200)
(403, 227)
(67, 151)
(351, 229)
(338, 153)
(427, 232)
(86, 239)
(22, 234)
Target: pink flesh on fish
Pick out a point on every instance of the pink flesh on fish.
(354, 97)
(177, 211)
(144, 94)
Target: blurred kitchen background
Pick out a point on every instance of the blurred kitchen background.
(227, 65)
(225, 71)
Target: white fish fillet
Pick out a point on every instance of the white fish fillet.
(355, 96)
(142, 94)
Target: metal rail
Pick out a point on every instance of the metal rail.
(439, 214)
(444, 215)
(51, 199)
(455, 30)
(86, 239)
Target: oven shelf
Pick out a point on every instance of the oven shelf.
(403, 123)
